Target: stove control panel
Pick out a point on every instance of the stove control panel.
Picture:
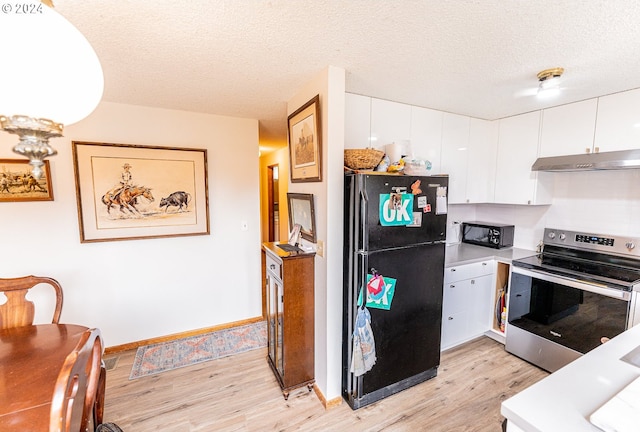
(595, 242)
(581, 238)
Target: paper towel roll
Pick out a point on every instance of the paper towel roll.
(394, 151)
(397, 149)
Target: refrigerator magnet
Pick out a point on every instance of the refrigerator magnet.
(382, 299)
(395, 209)
(417, 220)
(375, 284)
(424, 205)
(441, 200)
(415, 187)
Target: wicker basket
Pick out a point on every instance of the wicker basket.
(362, 158)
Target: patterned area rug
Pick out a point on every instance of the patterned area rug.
(162, 357)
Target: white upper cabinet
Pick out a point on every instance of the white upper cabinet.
(455, 154)
(568, 129)
(607, 123)
(481, 165)
(618, 122)
(426, 136)
(390, 123)
(517, 151)
(357, 121)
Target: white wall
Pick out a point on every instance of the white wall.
(329, 84)
(602, 202)
(599, 202)
(141, 289)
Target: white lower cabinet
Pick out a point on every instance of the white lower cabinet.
(467, 302)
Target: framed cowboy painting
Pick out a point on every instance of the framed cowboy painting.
(127, 192)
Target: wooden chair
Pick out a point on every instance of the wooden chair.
(76, 390)
(18, 311)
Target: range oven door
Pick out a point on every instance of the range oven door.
(553, 320)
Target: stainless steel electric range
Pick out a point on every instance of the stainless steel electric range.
(581, 291)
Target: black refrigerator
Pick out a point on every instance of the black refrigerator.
(395, 227)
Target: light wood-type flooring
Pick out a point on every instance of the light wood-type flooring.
(240, 393)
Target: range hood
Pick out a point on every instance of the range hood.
(615, 160)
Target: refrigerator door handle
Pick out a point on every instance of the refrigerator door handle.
(364, 202)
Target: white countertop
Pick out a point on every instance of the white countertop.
(564, 400)
(463, 253)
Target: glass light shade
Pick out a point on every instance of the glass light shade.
(49, 68)
(549, 87)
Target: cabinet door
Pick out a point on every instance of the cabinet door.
(279, 348)
(455, 153)
(454, 313)
(390, 122)
(481, 166)
(617, 125)
(271, 316)
(466, 310)
(517, 151)
(426, 136)
(568, 129)
(481, 306)
(357, 121)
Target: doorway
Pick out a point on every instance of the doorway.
(273, 194)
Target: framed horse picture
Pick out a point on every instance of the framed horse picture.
(18, 184)
(129, 192)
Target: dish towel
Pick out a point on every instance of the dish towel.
(622, 412)
(364, 348)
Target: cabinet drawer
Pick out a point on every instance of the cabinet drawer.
(274, 266)
(455, 296)
(467, 271)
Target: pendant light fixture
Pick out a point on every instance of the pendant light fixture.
(549, 82)
(51, 77)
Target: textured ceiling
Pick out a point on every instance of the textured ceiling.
(246, 58)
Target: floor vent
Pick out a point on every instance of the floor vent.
(111, 363)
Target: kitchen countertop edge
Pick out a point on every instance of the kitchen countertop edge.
(462, 253)
(565, 399)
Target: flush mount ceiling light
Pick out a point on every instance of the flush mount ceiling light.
(51, 77)
(549, 82)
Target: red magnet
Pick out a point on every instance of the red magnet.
(375, 285)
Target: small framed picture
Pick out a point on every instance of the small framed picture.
(305, 143)
(302, 217)
(18, 184)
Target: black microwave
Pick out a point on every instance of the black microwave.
(488, 234)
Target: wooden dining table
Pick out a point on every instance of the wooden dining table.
(30, 360)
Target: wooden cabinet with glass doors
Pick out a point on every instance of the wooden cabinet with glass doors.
(289, 292)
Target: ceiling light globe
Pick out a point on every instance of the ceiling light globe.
(50, 70)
